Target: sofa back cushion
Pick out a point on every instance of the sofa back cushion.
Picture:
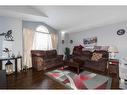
(87, 54)
(77, 50)
(51, 54)
(39, 53)
(44, 54)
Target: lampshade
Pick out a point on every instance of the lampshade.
(113, 49)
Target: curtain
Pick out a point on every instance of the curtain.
(42, 41)
(28, 35)
(54, 38)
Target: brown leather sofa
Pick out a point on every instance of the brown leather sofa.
(85, 57)
(44, 60)
(97, 65)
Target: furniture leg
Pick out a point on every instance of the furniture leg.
(21, 63)
(16, 66)
(16, 69)
(63, 67)
(78, 70)
(0, 64)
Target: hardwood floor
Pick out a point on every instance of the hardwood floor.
(37, 80)
(32, 80)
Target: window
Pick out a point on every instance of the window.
(42, 39)
(42, 29)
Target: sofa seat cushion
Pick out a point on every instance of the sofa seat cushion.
(53, 64)
(51, 54)
(94, 66)
(50, 60)
(84, 58)
(55, 59)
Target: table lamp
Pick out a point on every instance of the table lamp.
(112, 52)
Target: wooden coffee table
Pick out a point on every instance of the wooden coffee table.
(73, 63)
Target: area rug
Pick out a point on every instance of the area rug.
(85, 80)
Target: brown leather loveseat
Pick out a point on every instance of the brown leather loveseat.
(98, 61)
(92, 60)
(43, 60)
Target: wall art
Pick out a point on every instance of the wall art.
(91, 40)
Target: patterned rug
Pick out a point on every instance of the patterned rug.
(85, 80)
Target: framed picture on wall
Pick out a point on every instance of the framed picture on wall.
(91, 40)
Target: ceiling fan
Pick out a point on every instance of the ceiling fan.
(8, 36)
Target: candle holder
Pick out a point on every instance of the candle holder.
(9, 67)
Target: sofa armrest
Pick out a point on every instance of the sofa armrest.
(37, 55)
(60, 57)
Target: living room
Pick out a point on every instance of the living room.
(81, 48)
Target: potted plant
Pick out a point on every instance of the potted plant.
(67, 53)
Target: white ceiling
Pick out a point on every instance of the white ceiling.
(69, 18)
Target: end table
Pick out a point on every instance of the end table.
(113, 68)
(123, 74)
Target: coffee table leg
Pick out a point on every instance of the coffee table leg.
(63, 66)
(78, 70)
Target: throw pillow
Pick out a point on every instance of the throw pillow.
(96, 56)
